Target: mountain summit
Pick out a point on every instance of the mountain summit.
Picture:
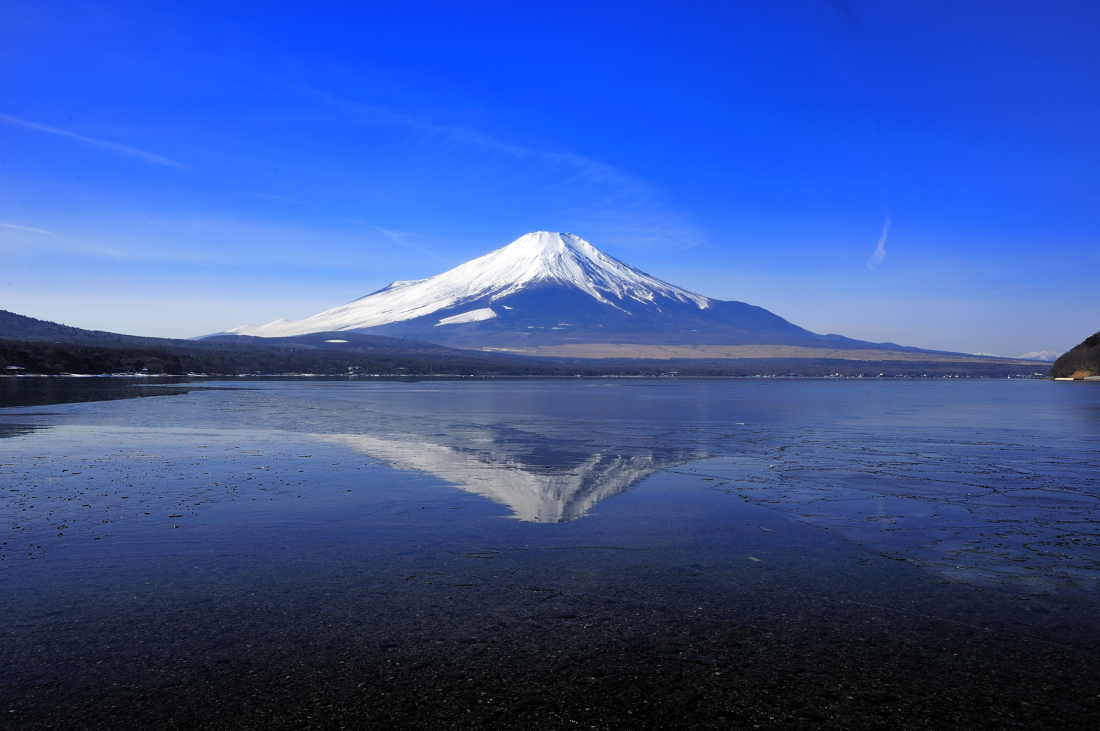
(536, 259)
(551, 289)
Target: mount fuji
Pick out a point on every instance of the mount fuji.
(546, 290)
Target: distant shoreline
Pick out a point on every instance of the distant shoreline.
(35, 347)
(532, 377)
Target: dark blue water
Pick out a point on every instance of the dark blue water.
(415, 515)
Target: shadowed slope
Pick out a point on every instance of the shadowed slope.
(553, 289)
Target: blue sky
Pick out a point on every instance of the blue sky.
(182, 169)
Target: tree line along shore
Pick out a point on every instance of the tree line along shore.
(22, 358)
(36, 347)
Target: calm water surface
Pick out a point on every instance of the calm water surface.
(473, 524)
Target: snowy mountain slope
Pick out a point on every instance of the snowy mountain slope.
(1047, 356)
(550, 288)
(536, 258)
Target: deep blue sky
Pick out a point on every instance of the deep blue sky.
(177, 170)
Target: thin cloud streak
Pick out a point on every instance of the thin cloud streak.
(189, 241)
(149, 157)
(30, 229)
(615, 200)
(401, 239)
(880, 251)
(281, 198)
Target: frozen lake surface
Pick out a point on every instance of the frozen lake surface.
(559, 553)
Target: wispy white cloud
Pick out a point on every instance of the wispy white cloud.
(402, 238)
(281, 198)
(149, 157)
(880, 251)
(14, 239)
(29, 229)
(207, 242)
(620, 207)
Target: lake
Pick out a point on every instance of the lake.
(570, 553)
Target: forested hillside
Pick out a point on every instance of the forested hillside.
(1080, 362)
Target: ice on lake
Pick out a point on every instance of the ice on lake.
(521, 553)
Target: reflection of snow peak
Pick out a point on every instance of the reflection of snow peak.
(485, 313)
(534, 493)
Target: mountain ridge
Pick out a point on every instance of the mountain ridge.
(551, 288)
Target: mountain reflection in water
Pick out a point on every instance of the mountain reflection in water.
(552, 482)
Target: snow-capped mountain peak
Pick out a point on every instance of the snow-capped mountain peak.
(538, 258)
(1047, 356)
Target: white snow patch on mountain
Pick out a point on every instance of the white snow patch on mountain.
(1048, 356)
(253, 329)
(485, 313)
(535, 258)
